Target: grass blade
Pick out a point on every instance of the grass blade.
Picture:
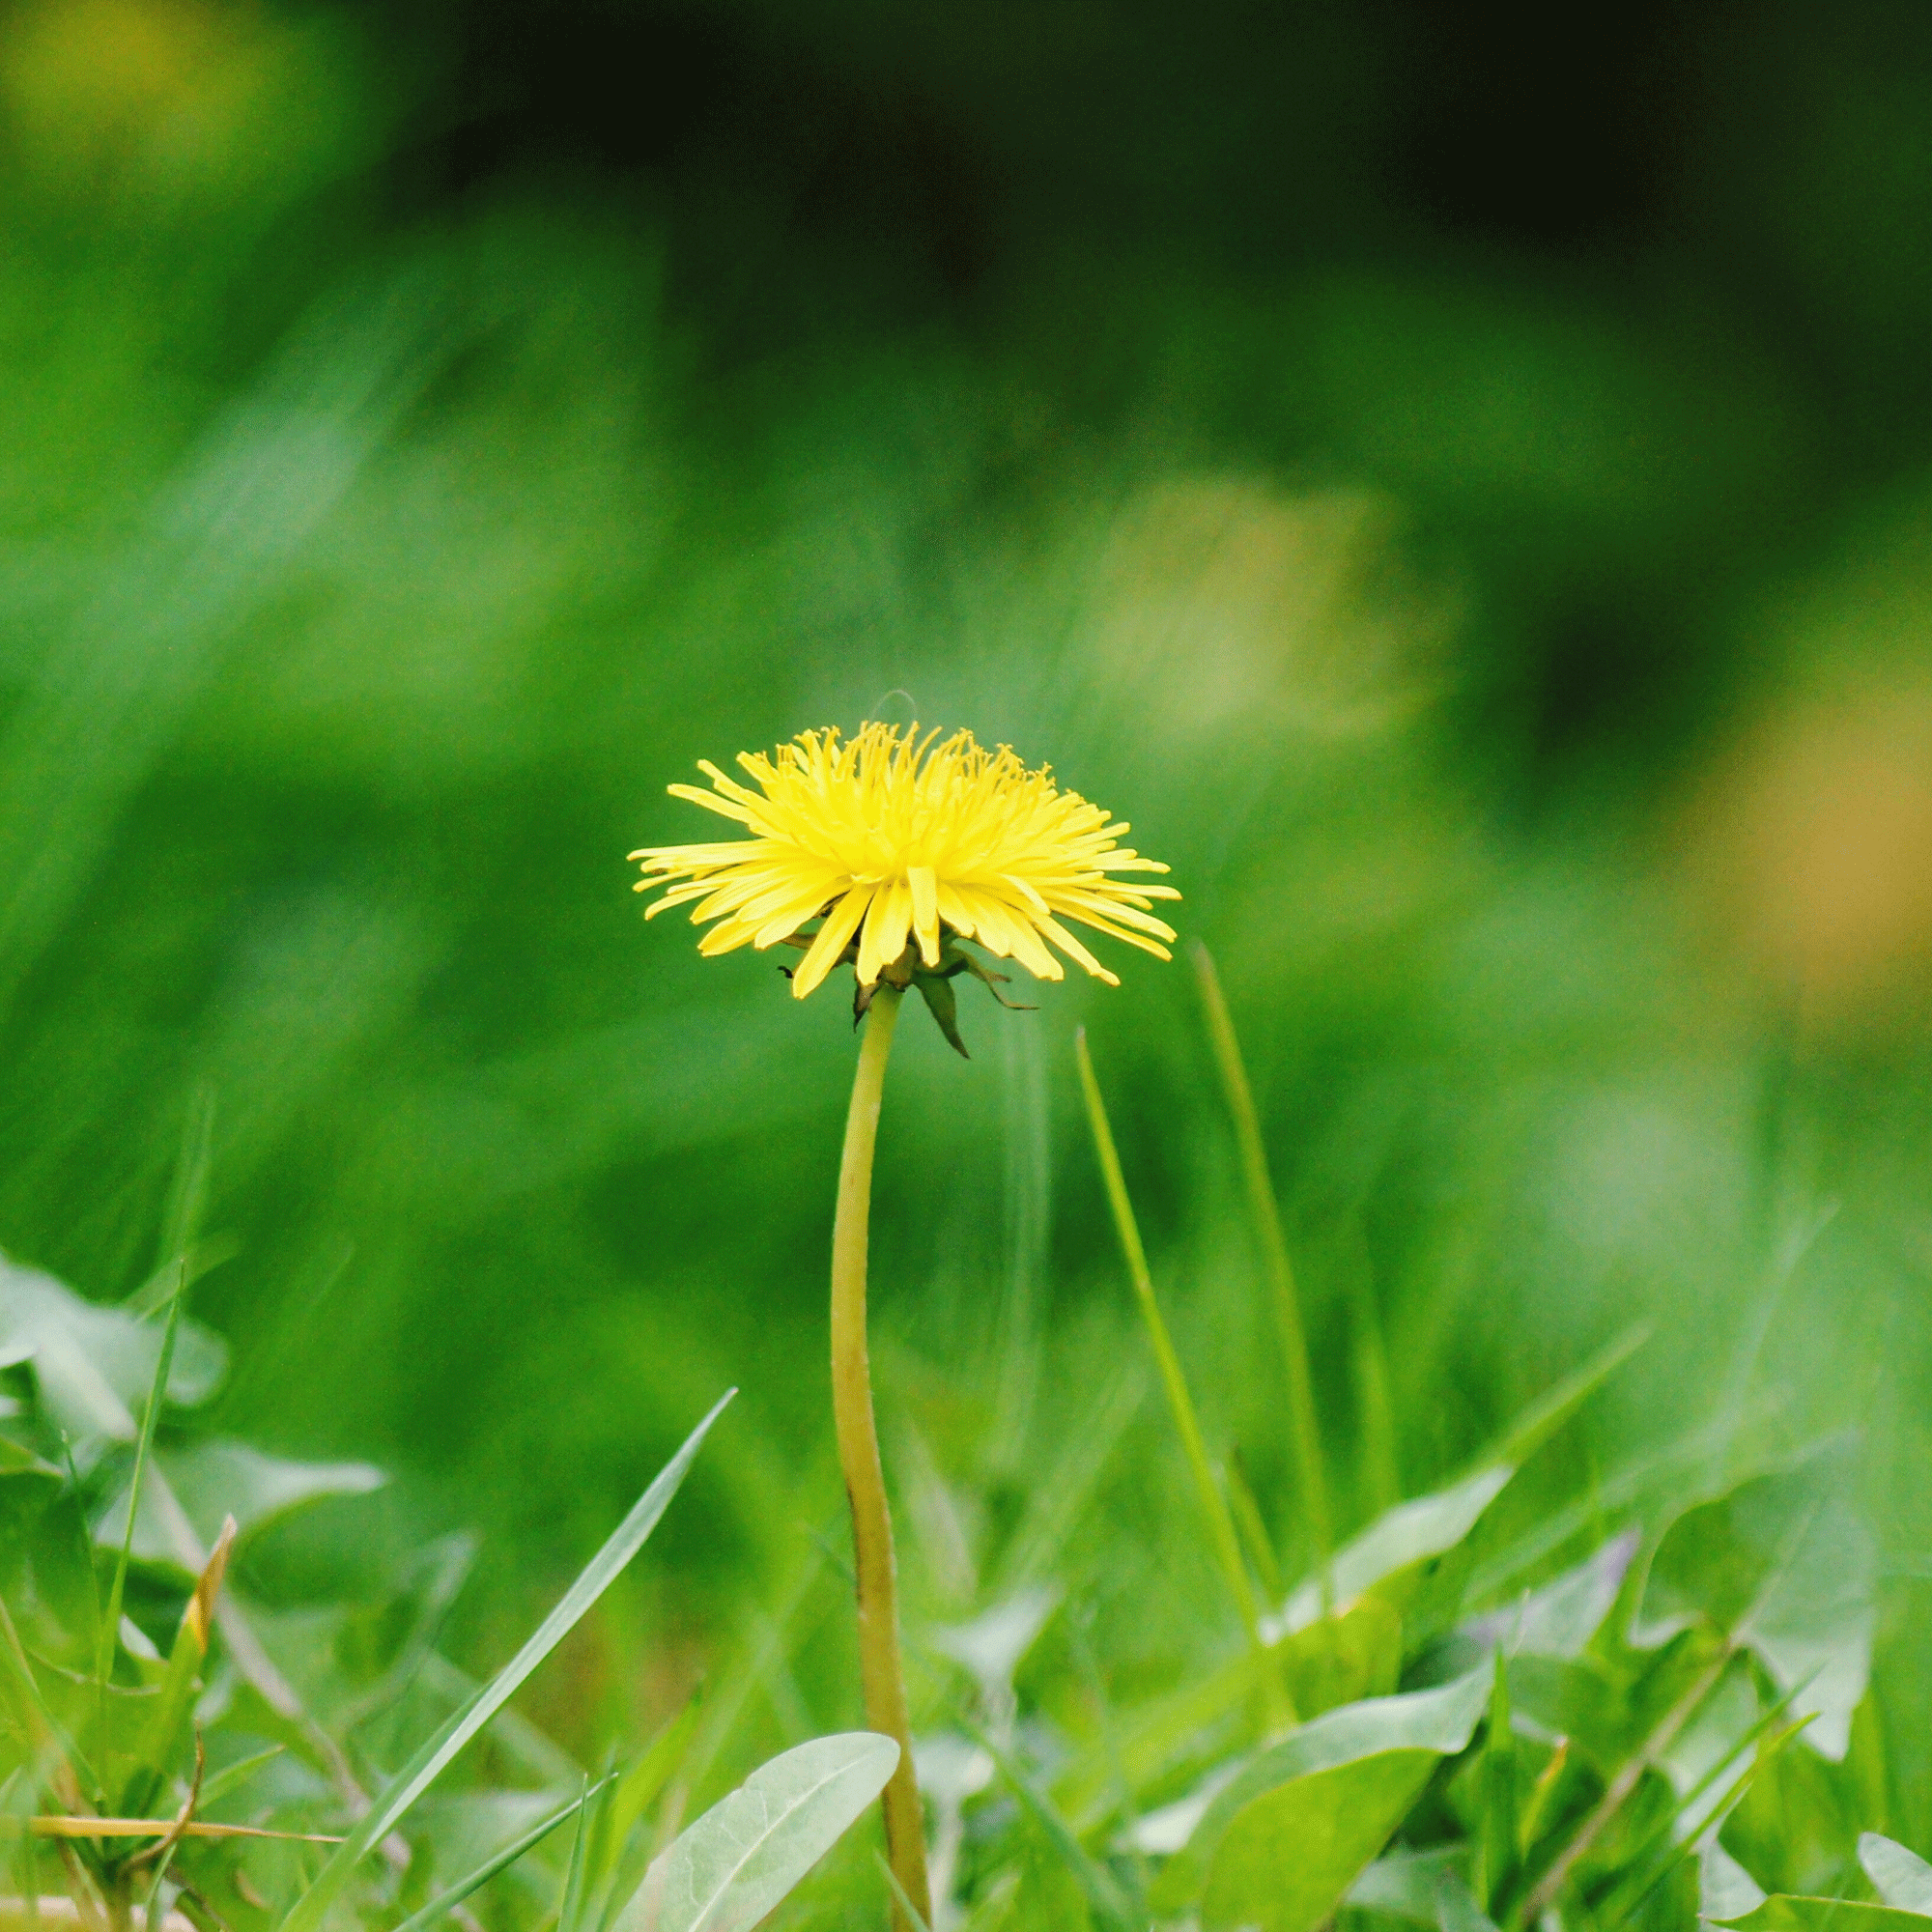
(33, 1717)
(445, 1901)
(435, 1757)
(1375, 1410)
(231, 1778)
(190, 1189)
(570, 1912)
(634, 1794)
(914, 1917)
(1495, 1847)
(1282, 1293)
(1105, 1895)
(1214, 1505)
(110, 1632)
(176, 1696)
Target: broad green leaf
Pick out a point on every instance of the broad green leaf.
(1903, 1878)
(1725, 1889)
(94, 1365)
(1577, 1698)
(437, 1755)
(730, 1868)
(1457, 1909)
(1394, 1551)
(1399, 1540)
(1783, 1912)
(1683, 1467)
(1288, 1858)
(1408, 1884)
(213, 1480)
(1559, 1619)
(1411, 1731)
(1783, 1565)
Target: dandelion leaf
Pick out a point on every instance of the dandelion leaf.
(730, 1868)
(1902, 1878)
(1782, 1565)
(1288, 1858)
(1410, 1733)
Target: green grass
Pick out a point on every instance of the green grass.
(369, 573)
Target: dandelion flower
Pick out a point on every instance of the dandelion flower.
(896, 841)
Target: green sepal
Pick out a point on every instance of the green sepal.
(936, 990)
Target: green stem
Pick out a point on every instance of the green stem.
(880, 1670)
(1214, 1505)
(1280, 1271)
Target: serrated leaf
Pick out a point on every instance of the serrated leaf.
(1784, 1566)
(1411, 1731)
(726, 1871)
(1902, 1878)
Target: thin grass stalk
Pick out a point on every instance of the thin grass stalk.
(881, 1671)
(1214, 1505)
(1283, 1291)
(1254, 1531)
(109, 1633)
(1626, 1780)
(1374, 1409)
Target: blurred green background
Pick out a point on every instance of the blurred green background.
(1465, 496)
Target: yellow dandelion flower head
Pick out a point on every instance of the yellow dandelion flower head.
(891, 839)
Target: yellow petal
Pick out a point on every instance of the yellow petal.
(710, 801)
(1075, 951)
(840, 924)
(884, 935)
(924, 884)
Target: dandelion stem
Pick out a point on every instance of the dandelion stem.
(1281, 1288)
(880, 1670)
(1214, 1505)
